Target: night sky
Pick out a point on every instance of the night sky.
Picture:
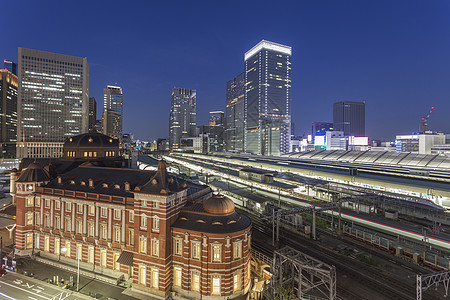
(395, 55)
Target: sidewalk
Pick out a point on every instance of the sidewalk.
(89, 287)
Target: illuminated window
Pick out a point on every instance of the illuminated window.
(142, 274)
(217, 253)
(117, 234)
(29, 218)
(236, 282)
(216, 285)
(155, 247)
(91, 255)
(91, 228)
(195, 284)
(116, 264)
(57, 222)
(103, 258)
(195, 250)
(85, 154)
(177, 246)
(67, 223)
(237, 249)
(143, 245)
(131, 216)
(67, 248)
(30, 201)
(155, 278)
(57, 246)
(91, 210)
(143, 221)
(131, 236)
(46, 243)
(103, 231)
(155, 223)
(79, 226)
(177, 276)
(29, 241)
(104, 212)
(79, 251)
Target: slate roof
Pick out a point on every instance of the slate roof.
(34, 173)
(115, 178)
(194, 217)
(126, 258)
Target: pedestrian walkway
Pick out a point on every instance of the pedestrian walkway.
(88, 286)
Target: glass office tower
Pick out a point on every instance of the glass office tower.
(350, 117)
(112, 118)
(53, 101)
(234, 134)
(8, 113)
(182, 121)
(267, 104)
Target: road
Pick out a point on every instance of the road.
(16, 286)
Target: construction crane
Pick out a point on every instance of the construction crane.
(425, 119)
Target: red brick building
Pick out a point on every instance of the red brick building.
(163, 234)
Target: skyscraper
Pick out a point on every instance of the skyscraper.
(234, 134)
(182, 121)
(53, 101)
(349, 117)
(267, 105)
(10, 66)
(113, 111)
(8, 112)
(216, 118)
(92, 113)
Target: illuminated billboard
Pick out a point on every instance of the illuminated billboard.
(358, 140)
(319, 140)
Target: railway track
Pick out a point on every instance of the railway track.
(390, 287)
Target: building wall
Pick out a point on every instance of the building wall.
(267, 105)
(182, 120)
(53, 96)
(349, 117)
(207, 268)
(234, 135)
(112, 118)
(92, 113)
(8, 112)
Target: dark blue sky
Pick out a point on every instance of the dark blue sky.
(395, 55)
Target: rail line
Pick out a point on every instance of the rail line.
(391, 288)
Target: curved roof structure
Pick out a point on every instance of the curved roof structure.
(34, 173)
(377, 157)
(218, 204)
(214, 215)
(91, 139)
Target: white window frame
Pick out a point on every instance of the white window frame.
(195, 249)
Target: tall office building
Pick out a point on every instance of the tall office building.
(182, 121)
(53, 101)
(216, 118)
(92, 113)
(320, 128)
(267, 105)
(234, 134)
(112, 118)
(10, 66)
(349, 117)
(8, 112)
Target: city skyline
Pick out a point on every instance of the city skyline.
(386, 62)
